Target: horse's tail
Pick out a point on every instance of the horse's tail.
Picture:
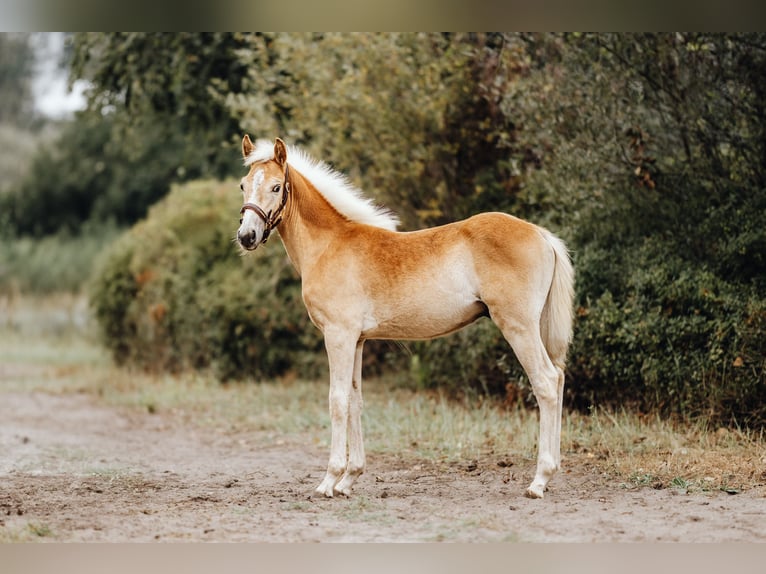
(557, 316)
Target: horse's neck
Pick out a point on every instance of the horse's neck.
(309, 224)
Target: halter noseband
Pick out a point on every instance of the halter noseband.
(270, 219)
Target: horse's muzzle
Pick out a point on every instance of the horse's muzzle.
(248, 239)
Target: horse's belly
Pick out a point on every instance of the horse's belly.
(426, 320)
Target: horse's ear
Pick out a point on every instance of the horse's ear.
(247, 146)
(280, 151)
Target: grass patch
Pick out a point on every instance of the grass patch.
(427, 424)
(361, 508)
(46, 343)
(20, 532)
(40, 530)
(648, 451)
(13, 534)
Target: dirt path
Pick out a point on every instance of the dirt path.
(72, 469)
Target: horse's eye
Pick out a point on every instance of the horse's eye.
(276, 188)
(242, 186)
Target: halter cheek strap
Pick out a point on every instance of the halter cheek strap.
(270, 219)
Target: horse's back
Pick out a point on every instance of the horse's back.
(491, 241)
(500, 226)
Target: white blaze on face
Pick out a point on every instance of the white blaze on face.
(257, 181)
(252, 197)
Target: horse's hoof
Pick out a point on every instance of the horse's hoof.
(324, 490)
(534, 492)
(343, 491)
(345, 485)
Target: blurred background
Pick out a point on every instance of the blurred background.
(646, 153)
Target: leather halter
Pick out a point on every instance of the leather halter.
(270, 219)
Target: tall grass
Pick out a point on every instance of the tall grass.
(51, 264)
(48, 343)
(433, 425)
(19, 147)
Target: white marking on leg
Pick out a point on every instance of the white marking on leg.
(544, 378)
(545, 387)
(356, 458)
(559, 415)
(340, 353)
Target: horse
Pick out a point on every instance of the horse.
(362, 279)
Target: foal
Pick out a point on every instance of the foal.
(361, 279)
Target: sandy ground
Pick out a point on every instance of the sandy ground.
(72, 469)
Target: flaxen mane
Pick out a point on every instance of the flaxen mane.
(345, 197)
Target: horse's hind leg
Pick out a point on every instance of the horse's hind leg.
(547, 385)
(559, 413)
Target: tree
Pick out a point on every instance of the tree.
(169, 81)
(154, 116)
(16, 70)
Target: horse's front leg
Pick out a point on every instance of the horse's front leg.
(355, 439)
(340, 353)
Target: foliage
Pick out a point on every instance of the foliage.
(85, 176)
(670, 231)
(20, 127)
(166, 83)
(152, 120)
(680, 340)
(173, 293)
(19, 146)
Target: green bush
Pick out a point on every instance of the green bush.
(679, 340)
(174, 293)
